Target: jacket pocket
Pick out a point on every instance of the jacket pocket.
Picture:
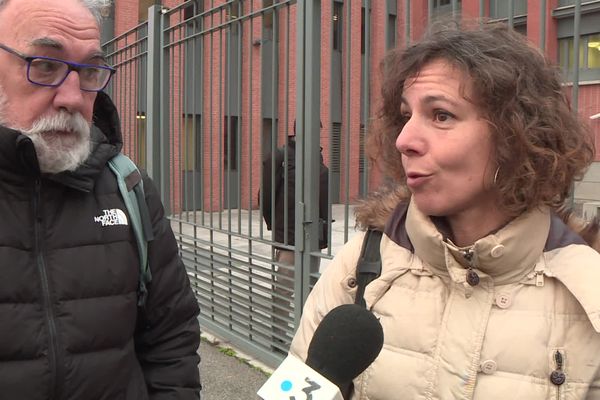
(558, 374)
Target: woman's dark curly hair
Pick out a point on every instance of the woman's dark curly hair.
(541, 145)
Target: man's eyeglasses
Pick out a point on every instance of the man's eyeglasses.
(46, 71)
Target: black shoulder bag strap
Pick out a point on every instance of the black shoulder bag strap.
(369, 264)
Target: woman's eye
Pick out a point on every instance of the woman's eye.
(442, 116)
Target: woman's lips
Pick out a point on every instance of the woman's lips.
(415, 180)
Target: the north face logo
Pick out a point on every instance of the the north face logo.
(112, 217)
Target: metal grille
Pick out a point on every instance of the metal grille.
(208, 88)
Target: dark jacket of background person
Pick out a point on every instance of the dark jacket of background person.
(278, 184)
(70, 327)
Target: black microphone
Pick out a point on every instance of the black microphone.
(345, 343)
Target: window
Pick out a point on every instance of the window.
(362, 31)
(230, 143)
(441, 7)
(338, 9)
(593, 51)
(589, 53)
(191, 10)
(192, 128)
(499, 8)
(391, 32)
(268, 16)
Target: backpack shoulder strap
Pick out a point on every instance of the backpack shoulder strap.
(368, 267)
(131, 187)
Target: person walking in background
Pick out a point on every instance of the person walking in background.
(485, 292)
(279, 184)
(74, 322)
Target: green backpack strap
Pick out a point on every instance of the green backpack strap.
(368, 267)
(131, 187)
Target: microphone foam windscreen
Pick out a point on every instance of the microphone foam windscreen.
(345, 343)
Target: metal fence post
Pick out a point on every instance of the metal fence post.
(157, 113)
(308, 112)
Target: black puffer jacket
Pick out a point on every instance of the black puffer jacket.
(284, 231)
(69, 323)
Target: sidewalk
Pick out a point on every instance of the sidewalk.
(227, 374)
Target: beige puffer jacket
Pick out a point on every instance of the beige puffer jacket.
(535, 311)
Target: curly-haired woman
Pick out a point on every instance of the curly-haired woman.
(485, 293)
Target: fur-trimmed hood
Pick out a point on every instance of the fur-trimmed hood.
(375, 209)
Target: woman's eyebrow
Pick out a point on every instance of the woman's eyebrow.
(431, 99)
(436, 98)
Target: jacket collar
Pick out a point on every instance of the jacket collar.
(552, 239)
(18, 162)
(507, 255)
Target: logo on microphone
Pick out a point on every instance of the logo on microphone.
(287, 386)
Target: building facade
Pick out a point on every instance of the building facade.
(233, 83)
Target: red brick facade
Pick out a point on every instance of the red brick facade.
(126, 17)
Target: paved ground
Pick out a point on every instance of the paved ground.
(226, 377)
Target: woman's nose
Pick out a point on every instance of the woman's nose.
(410, 140)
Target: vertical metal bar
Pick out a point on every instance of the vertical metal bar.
(330, 126)
(184, 118)
(228, 125)
(348, 84)
(170, 138)
(274, 136)
(543, 25)
(576, 42)
(307, 146)
(197, 105)
(366, 93)
(250, 130)
(575, 92)
(312, 140)
(454, 8)
(251, 287)
(133, 135)
(220, 125)
(406, 32)
(481, 10)
(210, 117)
(162, 136)
(511, 13)
(301, 33)
(429, 11)
(239, 136)
(153, 100)
(204, 133)
(227, 117)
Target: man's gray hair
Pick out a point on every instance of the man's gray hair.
(96, 7)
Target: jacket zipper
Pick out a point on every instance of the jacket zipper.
(49, 311)
(558, 377)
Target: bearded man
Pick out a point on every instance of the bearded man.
(70, 324)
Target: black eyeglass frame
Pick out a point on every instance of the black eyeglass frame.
(71, 66)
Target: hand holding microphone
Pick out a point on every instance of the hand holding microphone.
(345, 343)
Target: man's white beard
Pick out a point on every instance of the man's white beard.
(62, 141)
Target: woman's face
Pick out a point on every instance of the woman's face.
(446, 146)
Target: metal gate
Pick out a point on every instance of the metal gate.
(208, 89)
(205, 94)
